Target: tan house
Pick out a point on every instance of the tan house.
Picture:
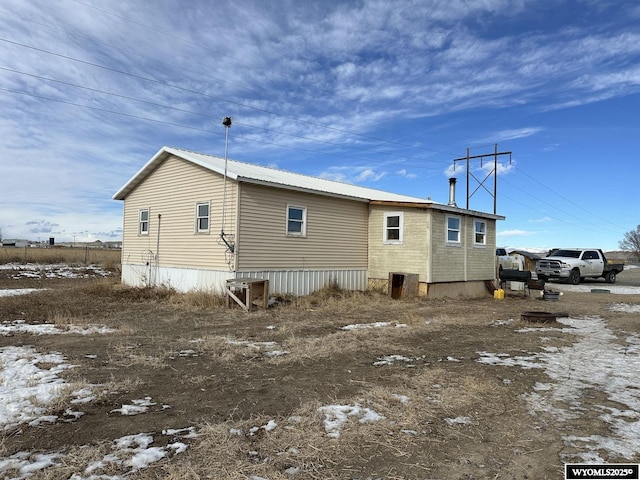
(193, 221)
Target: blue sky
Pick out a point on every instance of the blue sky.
(381, 94)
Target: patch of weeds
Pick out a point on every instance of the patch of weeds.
(201, 299)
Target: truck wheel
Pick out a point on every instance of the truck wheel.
(574, 277)
(610, 277)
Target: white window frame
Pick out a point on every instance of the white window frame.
(482, 243)
(302, 222)
(385, 229)
(449, 242)
(200, 217)
(143, 223)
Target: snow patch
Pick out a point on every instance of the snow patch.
(596, 361)
(18, 291)
(335, 416)
(137, 407)
(26, 388)
(361, 326)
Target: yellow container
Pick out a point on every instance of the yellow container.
(499, 294)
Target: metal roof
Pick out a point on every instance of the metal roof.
(258, 174)
(251, 173)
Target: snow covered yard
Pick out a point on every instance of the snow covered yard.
(136, 385)
(34, 270)
(598, 360)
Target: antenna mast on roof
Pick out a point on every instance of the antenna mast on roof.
(492, 173)
(226, 121)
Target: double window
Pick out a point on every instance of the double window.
(479, 232)
(393, 228)
(202, 217)
(143, 222)
(454, 224)
(296, 221)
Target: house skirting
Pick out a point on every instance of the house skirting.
(295, 282)
(471, 288)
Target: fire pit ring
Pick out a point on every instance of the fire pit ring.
(538, 317)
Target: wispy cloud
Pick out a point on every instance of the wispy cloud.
(341, 88)
(404, 173)
(515, 233)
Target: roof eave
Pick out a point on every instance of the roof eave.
(139, 175)
(151, 165)
(440, 206)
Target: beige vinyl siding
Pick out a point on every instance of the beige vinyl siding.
(336, 231)
(172, 191)
(412, 255)
(448, 261)
(481, 259)
(463, 262)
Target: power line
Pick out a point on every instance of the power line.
(243, 105)
(97, 42)
(208, 116)
(582, 221)
(214, 97)
(569, 200)
(173, 124)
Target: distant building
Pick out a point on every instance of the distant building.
(13, 242)
(524, 259)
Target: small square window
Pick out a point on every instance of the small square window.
(202, 217)
(296, 221)
(143, 222)
(479, 232)
(393, 226)
(453, 230)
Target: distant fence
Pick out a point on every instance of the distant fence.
(85, 255)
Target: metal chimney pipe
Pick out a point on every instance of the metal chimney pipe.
(452, 192)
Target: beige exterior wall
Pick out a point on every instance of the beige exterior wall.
(464, 261)
(481, 258)
(412, 255)
(444, 268)
(172, 191)
(448, 261)
(336, 231)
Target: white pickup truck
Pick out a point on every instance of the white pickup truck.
(574, 265)
(503, 259)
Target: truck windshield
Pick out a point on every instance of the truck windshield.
(567, 253)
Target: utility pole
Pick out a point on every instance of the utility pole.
(226, 121)
(481, 183)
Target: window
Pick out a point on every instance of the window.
(479, 232)
(393, 223)
(202, 217)
(453, 230)
(296, 221)
(144, 222)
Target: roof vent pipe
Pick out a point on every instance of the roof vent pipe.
(452, 192)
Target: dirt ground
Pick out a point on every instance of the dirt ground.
(211, 368)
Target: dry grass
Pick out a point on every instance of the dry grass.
(112, 289)
(299, 446)
(229, 386)
(109, 259)
(200, 299)
(129, 356)
(63, 318)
